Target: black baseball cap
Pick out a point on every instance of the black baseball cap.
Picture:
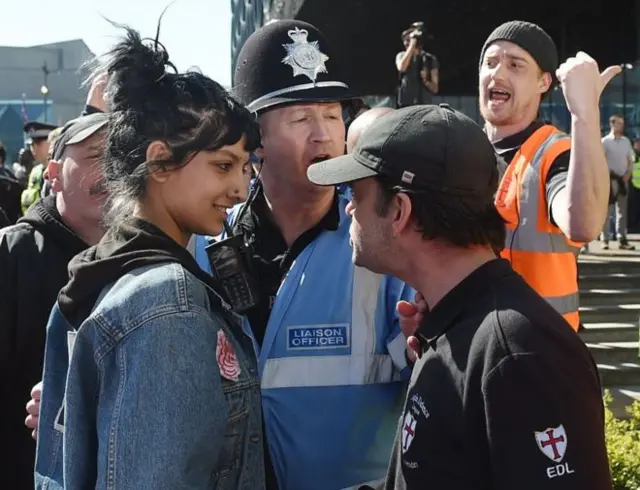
(287, 62)
(422, 147)
(77, 130)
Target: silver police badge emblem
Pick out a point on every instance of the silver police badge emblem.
(303, 56)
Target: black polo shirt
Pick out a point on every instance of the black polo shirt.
(505, 396)
(558, 171)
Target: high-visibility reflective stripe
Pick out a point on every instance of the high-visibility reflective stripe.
(565, 304)
(527, 239)
(397, 348)
(544, 257)
(363, 366)
(635, 176)
(550, 141)
(364, 303)
(308, 372)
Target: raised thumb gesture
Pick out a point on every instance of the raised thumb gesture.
(582, 83)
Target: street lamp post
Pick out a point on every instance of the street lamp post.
(45, 89)
(625, 67)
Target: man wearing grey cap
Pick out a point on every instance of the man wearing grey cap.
(34, 254)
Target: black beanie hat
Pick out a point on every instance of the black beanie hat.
(530, 37)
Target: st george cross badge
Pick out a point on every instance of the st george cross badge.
(303, 56)
(552, 442)
(408, 431)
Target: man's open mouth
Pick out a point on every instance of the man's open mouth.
(320, 158)
(499, 95)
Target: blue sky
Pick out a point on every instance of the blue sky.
(195, 32)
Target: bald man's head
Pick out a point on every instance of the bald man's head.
(362, 122)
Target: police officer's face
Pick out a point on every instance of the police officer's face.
(77, 178)
(510, 84)
(294, 137)
(40, 150)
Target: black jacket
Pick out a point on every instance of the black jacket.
(10, 192)
(34, 254)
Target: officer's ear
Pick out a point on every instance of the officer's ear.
(53, 173)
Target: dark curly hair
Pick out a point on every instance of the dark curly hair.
(189, 112)
(462, 221)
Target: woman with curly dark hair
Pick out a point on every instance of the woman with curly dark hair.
(149, 380)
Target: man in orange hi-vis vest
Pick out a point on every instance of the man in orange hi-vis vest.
(554, 190)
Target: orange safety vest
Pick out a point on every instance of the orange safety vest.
(537, 249)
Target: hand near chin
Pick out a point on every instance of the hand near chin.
(411, 315)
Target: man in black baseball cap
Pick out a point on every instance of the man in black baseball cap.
(34, 255)
(438, 156)
(450, 153)
(504, 395)
(289, 75)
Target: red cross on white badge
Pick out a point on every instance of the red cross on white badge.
(552, 442)
(408, 431)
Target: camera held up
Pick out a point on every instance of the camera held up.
(418, 31)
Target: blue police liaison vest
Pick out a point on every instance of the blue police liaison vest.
(332, 366)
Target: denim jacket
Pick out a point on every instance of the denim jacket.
(153, 397)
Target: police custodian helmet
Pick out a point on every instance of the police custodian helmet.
(285, 62)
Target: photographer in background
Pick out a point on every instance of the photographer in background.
(417, 69)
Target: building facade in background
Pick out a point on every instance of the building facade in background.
(368, 40)
(249, 15)
(41, 83)
(246, 17)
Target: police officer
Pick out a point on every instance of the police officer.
(331, 352)
(37, 139)
(504, 395)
